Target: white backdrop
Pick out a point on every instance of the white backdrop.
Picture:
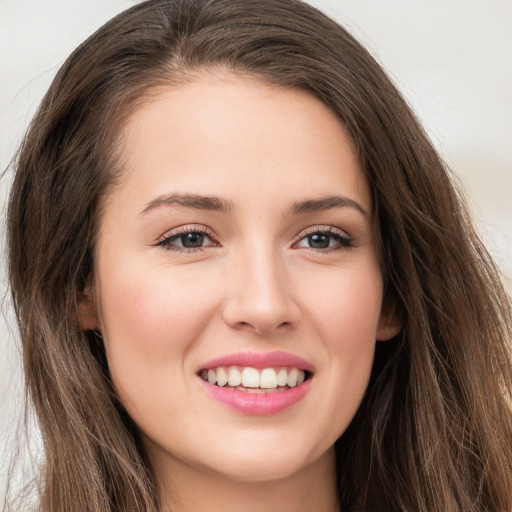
(451, 58)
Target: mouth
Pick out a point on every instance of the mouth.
(256, 383)
(255, 380)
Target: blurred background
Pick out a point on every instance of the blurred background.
(452, 60)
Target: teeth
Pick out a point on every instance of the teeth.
(253, 379)
(234, 377)
(222, 376)
(260, 390)
(282, 377)
(268, 378)
(292, 377)
(250, 378)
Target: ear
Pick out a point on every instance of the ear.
(87, 312)
(390, 322)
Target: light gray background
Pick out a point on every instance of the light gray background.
(451, 58)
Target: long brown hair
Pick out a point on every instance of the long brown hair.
(434, 431)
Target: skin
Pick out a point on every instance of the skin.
(255, 285)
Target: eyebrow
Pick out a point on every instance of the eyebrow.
(326, 203)
(211, 203)
(195, 201)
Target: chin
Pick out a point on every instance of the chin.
(261, 469)
(257, 465)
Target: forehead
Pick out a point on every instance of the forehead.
(230, 134)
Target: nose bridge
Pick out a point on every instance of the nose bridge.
(259, 297)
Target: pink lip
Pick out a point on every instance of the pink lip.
(258, 403)
(260, 360)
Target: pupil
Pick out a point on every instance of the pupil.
(192, 240)
(319, 241)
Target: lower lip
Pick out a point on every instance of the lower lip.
(257, 403)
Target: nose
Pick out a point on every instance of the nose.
(260, 298)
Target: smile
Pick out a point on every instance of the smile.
(253, 380)
(257, 384)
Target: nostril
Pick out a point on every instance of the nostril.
(263, 328)
(260, 327)
(244, 326)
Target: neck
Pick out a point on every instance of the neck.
(184, 488)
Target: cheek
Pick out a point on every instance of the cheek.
(354, 309)
(149, 321)
(157, 302)
(359, 308)
(346, 303)
(345, 311)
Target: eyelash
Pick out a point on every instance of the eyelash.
(344, 241)
(166, 241)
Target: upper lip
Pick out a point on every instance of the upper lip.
(260, 360)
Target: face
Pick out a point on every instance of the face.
(238, 247)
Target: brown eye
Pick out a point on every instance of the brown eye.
(325, 240)
(319, 241)
(187, 240)
(192, 240)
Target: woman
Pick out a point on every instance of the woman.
(218, 209)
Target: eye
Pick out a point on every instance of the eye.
(325, 240)
(187, 239)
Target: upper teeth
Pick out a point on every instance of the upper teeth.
(266, 378)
